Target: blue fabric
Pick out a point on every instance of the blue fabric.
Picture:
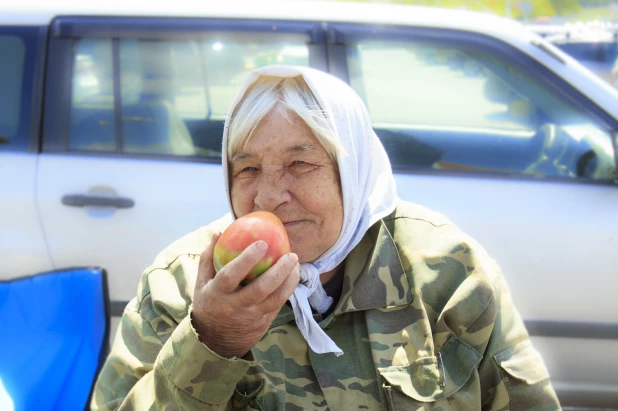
(52, 331)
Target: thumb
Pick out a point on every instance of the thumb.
(206, 269)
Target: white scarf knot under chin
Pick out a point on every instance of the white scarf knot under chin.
(311, 291)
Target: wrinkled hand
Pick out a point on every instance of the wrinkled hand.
(231, 319)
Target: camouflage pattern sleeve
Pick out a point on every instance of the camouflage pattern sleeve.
(157, 361)
(512, 373)
(142, 372)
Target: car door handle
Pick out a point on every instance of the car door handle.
(80, 200)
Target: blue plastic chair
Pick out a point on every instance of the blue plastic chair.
(53, 339)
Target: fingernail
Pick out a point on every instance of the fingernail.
(261, 246)
(293, 258)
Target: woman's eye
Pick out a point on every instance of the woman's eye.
(245, 172)
(299, 167)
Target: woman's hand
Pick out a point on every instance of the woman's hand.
(231, 319)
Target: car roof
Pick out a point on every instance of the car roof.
(578, 33)
(41, 12)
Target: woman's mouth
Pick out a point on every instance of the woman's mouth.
(293, 223)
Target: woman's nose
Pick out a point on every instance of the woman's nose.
(272, 190)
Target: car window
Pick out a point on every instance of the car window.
(445, 106)
(92, 125)
(16, 75)
(173, 95)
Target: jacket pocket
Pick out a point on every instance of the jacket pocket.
(525, 378)
(245, 395)
(523, 362)
(430, 379)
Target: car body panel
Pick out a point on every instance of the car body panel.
(22, 244)
(171, 200)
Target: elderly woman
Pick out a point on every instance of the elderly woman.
(381, 305)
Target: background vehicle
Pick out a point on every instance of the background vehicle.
(594, 45)
(111, 128)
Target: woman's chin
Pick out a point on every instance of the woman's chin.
(306, 242)
(302, 251)
(302, 255)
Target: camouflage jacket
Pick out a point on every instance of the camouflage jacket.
(425, 321)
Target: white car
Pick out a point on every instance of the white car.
(483, 120)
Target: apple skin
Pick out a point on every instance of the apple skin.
(246, 230)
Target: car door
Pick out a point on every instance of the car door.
(134, 118)
(522, 162)
(22, 244)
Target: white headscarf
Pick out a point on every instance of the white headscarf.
(367, 183)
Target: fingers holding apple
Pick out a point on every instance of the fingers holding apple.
(231, 319)
(281, 286)
(266, 285)
(259, 225)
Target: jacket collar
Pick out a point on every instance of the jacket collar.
(373, 277)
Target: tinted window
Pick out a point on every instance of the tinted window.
(17, 48)
(457, 107)
(92, 124)
(173, 95)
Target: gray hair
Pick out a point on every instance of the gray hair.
(288, 96)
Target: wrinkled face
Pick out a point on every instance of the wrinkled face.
(284, 169)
